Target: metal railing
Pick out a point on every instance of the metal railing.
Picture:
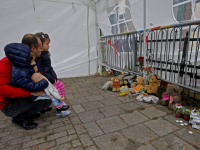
(173, 50)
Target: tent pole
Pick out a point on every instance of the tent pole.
(144, 34)
(88, 40)
(98, 40)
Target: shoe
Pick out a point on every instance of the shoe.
(36, 115)
(26, 124)
(63, 113)
(45, 110)
(64, 108)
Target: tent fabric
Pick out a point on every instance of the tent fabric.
(66, 26)
(71, 27)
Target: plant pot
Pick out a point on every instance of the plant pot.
(186, 118)
(177, 115)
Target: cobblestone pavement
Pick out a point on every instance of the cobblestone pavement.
(100, 120)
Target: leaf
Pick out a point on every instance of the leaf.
(148, 133)
(198, 143)
(150, 141)
(131, 120)
(36, 147)
(132, 141)
(123, 120)
(177, 133)
(186, 148)
(198, 131)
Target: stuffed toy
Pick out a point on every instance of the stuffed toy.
(137, 86)
(116, 83)
(126, 83)
(152, 88)
(171, 96)
(124, 90)
(106, 86)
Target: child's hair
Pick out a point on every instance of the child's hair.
(42, 36)
(32, 55)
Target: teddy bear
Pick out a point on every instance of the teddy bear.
(171, 96)
(126, 83)
(115, 83)
(152, 88)
(139, 84)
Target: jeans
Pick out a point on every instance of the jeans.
(21, 109)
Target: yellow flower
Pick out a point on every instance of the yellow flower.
(122, 72)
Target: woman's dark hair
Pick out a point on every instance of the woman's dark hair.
(30, 40)
(42, 36)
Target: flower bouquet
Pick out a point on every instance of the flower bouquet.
(147, 72)
(141, 63)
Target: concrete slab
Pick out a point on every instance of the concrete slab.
(129, 107)
(111, 110)
(89, 116)
(134, 118)
(110, 101)
(111, 124)
(135, 133)
(92, 105)
(93, 129)
(78, 108)
(76, 101)
(193, 139)
(161, 126)
(172, 142)
(94, 97)
(164, 108)
(113, 141)
(152, 112)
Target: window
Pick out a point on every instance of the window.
(120, 18)
(184, 10)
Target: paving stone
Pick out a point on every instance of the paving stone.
(81, 94)
(172, 119)
(77, 101)
(111, 124)
(65, 146)
(92, 105)
(152, 112)
(69, 96)
(56, 135)
(193, 139)
(143, 104)
(84, 89)
(59, 120)
(161, 126)
(16, 147)
(89, 116)
(45, 145)
(78, 108)
(77, 148)
(111, 110)
(75, 120)
(110, 101)
(133, 118)
(4, 134)
(146, 147)
(136, 135)
(54, 126)
(110, 94)
(94, 97)
(125, 99)
(91, 148)
(66, 139)
(79, 129)
(129, 107)
(86, 140)
(172, 142)
(113, 141)
(33, 142)
(76, 143)
(93, 129)
(41, 134)
(71, 131)
(164, 108)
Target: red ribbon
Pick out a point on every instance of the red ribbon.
(116, 84)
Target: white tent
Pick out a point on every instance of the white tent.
(73, 27)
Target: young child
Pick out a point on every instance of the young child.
(57, 100)
(44, 64)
